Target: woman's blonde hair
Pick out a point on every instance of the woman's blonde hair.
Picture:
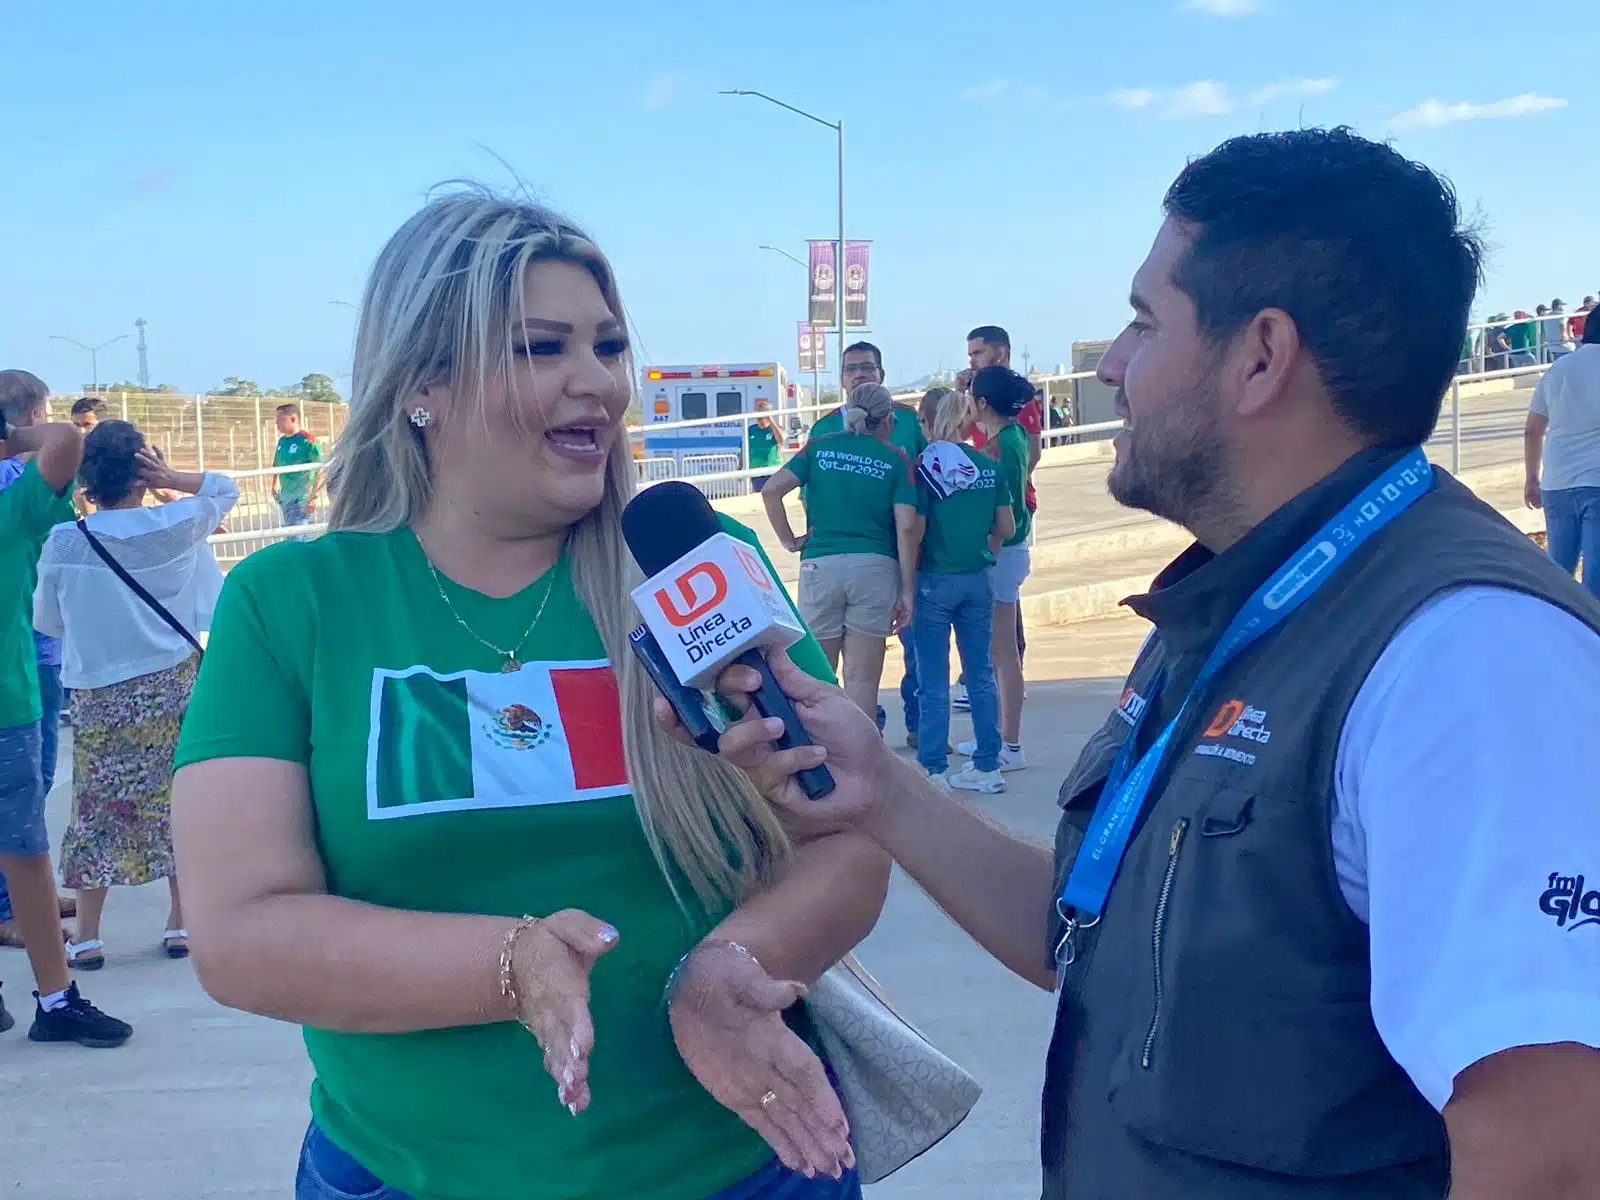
(440, 304)
(945, 414)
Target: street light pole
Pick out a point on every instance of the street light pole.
(816, 387)
(838, 261)
(94, 353)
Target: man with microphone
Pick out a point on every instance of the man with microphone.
(1323, 909)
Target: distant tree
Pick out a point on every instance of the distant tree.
(160, 389)
(316, 387)
(319, 388)
(232, 385)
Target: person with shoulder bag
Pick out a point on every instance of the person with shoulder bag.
(128, 588)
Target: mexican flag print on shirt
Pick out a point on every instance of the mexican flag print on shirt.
(549, 733)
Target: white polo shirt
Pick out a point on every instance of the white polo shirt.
(1467, 832)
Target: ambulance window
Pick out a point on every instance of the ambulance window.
(694, 405)
(730, 404)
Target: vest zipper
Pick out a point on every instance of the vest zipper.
(1159, 931)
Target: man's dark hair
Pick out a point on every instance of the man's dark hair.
(1591, 330)
(110, 466)
(877, 355)
(89, 404)
(288, 408)
(1363, 248)
(991, 335)
(23, 396)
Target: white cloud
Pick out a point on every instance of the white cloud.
(1132, 99)
(1204, 98)
(992, 90)
(1208, 98)
(662, 90)
(1433, 113)
(1224, 8)
(1292, 87)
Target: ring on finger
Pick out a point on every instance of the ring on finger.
(766, 1101)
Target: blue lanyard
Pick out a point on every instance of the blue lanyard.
(1083, 898)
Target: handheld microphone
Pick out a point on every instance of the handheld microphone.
(709, 601)
(695, 712)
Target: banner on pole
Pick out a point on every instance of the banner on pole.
(856, 255)
(813, 347)
(824, 298)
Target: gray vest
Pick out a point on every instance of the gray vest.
(1214, 1037)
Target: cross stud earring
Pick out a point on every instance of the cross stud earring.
(420, 417)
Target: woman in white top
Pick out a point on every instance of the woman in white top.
(129, 670)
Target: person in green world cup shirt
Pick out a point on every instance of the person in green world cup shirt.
(539, 951)
(296, 491)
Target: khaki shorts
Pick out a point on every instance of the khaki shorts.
(854, 592)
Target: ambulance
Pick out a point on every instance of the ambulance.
(702, 393)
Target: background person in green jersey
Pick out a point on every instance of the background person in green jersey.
(862, 363)
(763, 443)
(965, 500)
(296, 491)
(365, 805)
(859, 552)
(999, 394)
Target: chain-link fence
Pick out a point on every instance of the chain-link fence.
(215, 433)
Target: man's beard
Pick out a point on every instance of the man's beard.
(1174, 463)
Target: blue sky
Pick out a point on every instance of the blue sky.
(226, 171)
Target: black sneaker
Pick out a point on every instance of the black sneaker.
(6, 1019)
(79, 1021)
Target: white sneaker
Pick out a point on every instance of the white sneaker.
(970, 779)
(941, 780)
(1010, 760)
(959, 701)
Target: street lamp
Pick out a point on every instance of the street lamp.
(94, 353)
(816, 388)
(838, 262)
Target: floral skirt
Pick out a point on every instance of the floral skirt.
(123, 740)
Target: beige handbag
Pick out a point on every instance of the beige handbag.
(901, 1094)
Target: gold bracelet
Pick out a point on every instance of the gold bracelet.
(508, 981)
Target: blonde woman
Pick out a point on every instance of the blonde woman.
(540, 950)
(964, 499)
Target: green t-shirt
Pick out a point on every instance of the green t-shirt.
(763, 446)
(1524, 335)
(28, 511)
(296, 450)
(1013, 451)
(905, 433)
(957, 538)
(853, 481)
(440, 784)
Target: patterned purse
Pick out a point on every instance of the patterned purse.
(901, 1094)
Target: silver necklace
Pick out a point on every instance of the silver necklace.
(512, 662)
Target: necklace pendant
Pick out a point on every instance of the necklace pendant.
(511, 664)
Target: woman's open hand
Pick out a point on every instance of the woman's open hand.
(727, 1020)
(550, 966)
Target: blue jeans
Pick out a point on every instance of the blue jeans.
(909, 691)
(328, 1173)
(51, 698)
(964, 604)
(293, 510)
(1572, 528)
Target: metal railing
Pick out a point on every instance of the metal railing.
(214, 433)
